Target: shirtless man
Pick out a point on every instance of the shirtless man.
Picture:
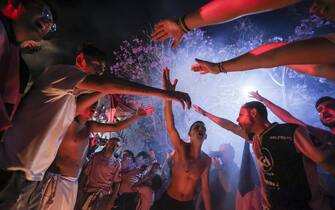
(51, 107)
(72, 152)
(190, 163)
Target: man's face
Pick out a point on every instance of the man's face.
(245, 120)
(111, 146)
(326, 112)
(94, 66)
(34, 23)
(198, 131)
(324, 9)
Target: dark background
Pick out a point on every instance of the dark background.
(106, 23)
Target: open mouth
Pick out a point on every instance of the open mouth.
(42, 26)
(328, 118)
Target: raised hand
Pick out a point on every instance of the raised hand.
(205, 67)
(144, 111)
(199, 110)
(216, 162)
(168, 29)
(255, 95)
(182, 97)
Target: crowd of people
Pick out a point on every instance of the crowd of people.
(45, 128)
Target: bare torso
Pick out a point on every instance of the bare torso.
(72, 152)
(186, 172)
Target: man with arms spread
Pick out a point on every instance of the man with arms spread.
(50, 108)
(60, 184)
(324, 139)
(190, 163)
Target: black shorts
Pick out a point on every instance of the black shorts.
(168, 203)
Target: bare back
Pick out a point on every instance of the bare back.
(186, 172)
(72, 151)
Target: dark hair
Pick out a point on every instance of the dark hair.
(132, 156)
(199, 121)
(144, 154)
(323, 99)
(116, 139)
(90, 50)
(47, 2)
(156, 182)
(260, 108)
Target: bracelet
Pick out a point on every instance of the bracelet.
(181, 23)
(184, 24)
(221, 68)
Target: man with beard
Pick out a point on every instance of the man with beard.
(190, 163)
(324, 139)
(102, 177)
(289, 179)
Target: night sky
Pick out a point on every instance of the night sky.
(107, 23)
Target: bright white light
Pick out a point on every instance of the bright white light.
(246, 89)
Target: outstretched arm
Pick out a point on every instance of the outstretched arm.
(298, 55)
(87, 100)
(101, 127)
(168, 115)
(326, 70)
(214, 12)
(121, 86)
(224, 123)
(325, 158)
(284, 115)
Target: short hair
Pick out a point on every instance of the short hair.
(144, 154)
(90, 50)
(260, 108)
(129, 152)
(199, 121)
(324, 99)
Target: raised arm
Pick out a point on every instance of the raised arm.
(325, 157)
(317, 50)
(87, 100)
(224, 123)
(325, 70)
(168, 115)
(101, 127)
(121, 86)
(214, 12)
(281, 113)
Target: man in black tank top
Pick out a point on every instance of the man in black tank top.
(284, 153)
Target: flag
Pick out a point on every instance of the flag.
(249, 193)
